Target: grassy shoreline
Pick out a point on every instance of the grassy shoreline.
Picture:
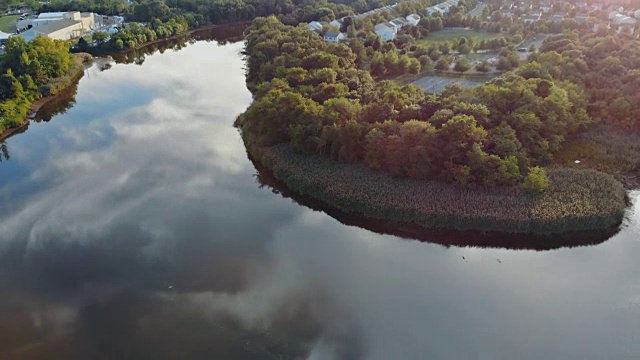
(573, 202)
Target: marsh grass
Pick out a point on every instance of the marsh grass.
(576, 200)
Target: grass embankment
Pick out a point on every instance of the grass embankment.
(457, 33)
(576, 199)
(45, 93)
(8, 23)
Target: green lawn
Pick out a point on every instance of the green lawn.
(8, 23)
(448, 34)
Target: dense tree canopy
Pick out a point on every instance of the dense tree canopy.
(25, 67)
(311, 94)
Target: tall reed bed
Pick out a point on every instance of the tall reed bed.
(575, 200)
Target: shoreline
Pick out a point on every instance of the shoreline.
(36, 105)
(443, 237)
(173, 37)
(410, 207)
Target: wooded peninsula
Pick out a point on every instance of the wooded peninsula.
(489, 157)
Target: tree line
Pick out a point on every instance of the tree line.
(313, 95)
(27, 70)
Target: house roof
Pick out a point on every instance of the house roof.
(331, 34)
(314, 25)
(385, 26)
(55, 26)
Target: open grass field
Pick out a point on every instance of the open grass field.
(456, 33)
(8, 23)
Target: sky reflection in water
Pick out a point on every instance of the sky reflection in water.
(133, 226)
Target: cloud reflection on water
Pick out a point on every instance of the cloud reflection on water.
(166, 197)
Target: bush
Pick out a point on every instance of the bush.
(462, 65)
(536, 181)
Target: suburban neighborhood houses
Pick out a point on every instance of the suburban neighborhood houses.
(595, 15)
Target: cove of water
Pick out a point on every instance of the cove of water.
(134, 226)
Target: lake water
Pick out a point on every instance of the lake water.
(133, 226)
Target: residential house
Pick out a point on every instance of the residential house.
(315, 26)
(337, 23)
(531, 17)
(414, 19)
(545, 6)
(556, 18)
(581, 4)
(400, 22)
(334, 36)
(387, 31)
(508, 13)
(581, 18)
(637, 14)
(620, 20)
(442, 8)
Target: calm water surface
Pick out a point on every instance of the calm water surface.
(133, 226)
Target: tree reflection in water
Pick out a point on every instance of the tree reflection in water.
(4, 152)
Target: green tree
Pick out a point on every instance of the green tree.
(483, 66)
(462, 65)
(536, 181)
(100, 37)
(443, 64)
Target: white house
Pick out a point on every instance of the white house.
(413, 19)
(400, 22)
(337, 23)
(545, 6)
(532, 17)
(620, 19)
(315, 26)
(334, 36)
(582, 17)
(637, 14)
(387, 31)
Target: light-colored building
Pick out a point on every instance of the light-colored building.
(531, 18)
(387, 31)
(400, 22)
(89, 20)
(636, 14)
(65, 29)
(545, 6)
(582, 18)
(334, 36)
(556, 18)
(315, 26)
(413, 19)
(337, 23)
(442, 8)
(620, 19)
